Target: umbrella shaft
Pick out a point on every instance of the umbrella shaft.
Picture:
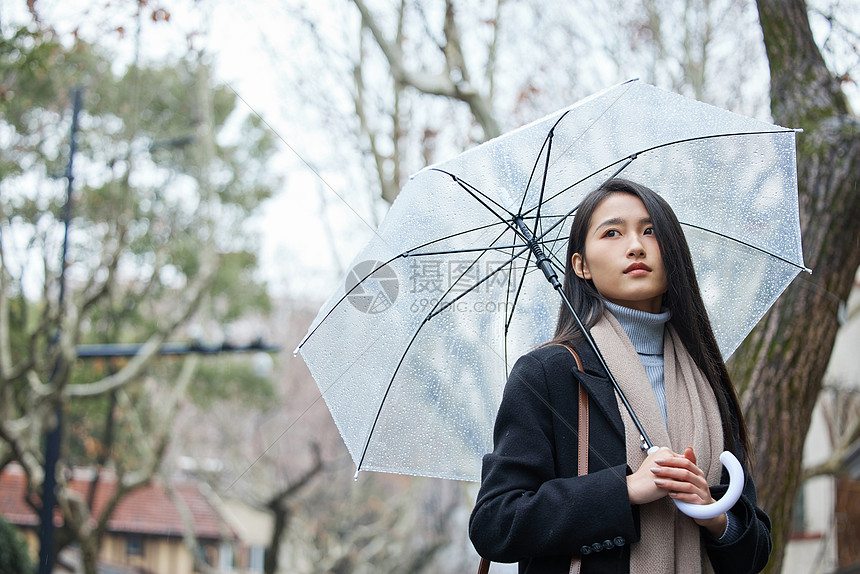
(585, 333)
(544, 264)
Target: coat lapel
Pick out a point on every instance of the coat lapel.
(600, 392)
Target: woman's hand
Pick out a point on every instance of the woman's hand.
(642, 486)
(666, 473)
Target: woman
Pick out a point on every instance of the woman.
(630, 277)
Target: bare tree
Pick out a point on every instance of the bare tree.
(780, 368)
(422, 81)
(781, 365)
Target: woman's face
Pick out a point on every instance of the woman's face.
(621, 254)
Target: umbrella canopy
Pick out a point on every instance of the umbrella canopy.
(412, 350)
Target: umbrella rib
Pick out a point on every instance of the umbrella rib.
(634, 155)
(341, 300)
(385, 396)
(750, 245)
(510, 260)
(432, 313)
(465, 250)
(475, 193)
(546, 142)
(539, 238)
(547, 167)
(535, 166)
(404, 254)
(543, 180)
(547, 145)
(410, 253)
(510, 317)
(477, 284)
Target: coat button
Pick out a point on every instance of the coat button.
(608, 544)
(597, 546)
(585, 550)
(619, 541)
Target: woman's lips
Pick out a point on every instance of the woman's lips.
(637, 269)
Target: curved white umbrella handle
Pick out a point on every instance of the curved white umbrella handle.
(733, 493)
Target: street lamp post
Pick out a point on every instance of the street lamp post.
(52, 439)
(54, 435)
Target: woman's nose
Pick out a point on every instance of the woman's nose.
(635, 249)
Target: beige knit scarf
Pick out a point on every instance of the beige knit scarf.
(670, 541)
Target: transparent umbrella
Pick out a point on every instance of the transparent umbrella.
(412, 350)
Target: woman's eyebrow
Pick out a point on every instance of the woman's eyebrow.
(620, 221)
(611, 221)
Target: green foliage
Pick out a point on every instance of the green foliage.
(220, 378)
(232, 378)
(36, 74)
(148, 174)
(159, 184)
(14, 556)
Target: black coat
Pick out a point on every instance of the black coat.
(533, 509)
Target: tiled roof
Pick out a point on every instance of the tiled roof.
(147, 510)
(13, 507)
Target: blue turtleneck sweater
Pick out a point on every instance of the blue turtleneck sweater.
(645, 331)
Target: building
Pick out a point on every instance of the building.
(146, 533)
(827, 517)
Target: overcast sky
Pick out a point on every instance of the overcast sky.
(299, 255)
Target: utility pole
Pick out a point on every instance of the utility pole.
(52, 439)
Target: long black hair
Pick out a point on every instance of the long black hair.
(688, 315)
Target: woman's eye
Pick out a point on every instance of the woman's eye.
(649, 231)
(611, 233)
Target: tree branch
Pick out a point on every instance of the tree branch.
(389, 188)
(193, 297)
(835, 463)
(492, 52)
(433, 84)
(5, 340)
(304, 479)
(188, 535)
(22, 453)
(802, 88)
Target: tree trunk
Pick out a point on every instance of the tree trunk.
(847, 522)
(780, 367)
(281, 515)
(89, 556)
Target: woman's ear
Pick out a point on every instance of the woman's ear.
(580, 267)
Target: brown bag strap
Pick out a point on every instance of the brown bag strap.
(582, 458)
(582, 453)
(581, 463)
